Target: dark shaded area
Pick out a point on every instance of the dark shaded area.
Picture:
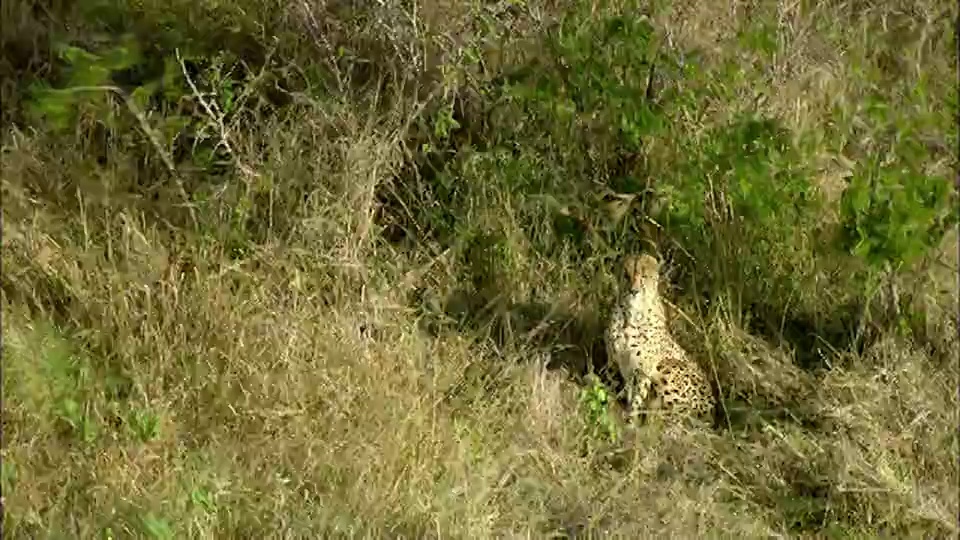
(26, 55)
(811, 336)
(136, 50)
(574, 341)
(421, 204)
(737, 416)
(261, 55)
(512, 112)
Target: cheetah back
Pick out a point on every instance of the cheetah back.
(683, 387)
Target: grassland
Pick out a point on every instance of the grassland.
(339, 269)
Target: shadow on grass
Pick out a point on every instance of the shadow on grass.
(573, 341)
(815, 338)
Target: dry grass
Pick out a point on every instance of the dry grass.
(276, 366)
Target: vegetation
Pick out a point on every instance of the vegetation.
(341, 268)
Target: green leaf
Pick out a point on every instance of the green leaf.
(123, 56)
(75, 56)
(141, 95)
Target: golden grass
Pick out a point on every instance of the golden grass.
(296, 393)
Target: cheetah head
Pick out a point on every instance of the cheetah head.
(643, 271)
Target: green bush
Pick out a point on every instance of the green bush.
(893, 211)
(581, 121)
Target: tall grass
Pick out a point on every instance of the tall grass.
(342, 269)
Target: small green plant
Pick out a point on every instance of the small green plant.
(203, 500)
(44, 371)
(444, 123)
(595, 404)
(145, 425)
(156, 527)
(77, 420)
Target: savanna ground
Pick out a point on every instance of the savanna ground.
(307, 269)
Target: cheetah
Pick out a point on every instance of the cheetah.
(656, 370)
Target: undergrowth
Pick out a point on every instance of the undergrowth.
(341, 269)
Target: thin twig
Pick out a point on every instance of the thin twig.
(216, 117)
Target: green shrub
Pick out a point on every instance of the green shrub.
(893, 211)
(570, 127)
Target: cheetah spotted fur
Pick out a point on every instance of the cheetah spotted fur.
(657, 372)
